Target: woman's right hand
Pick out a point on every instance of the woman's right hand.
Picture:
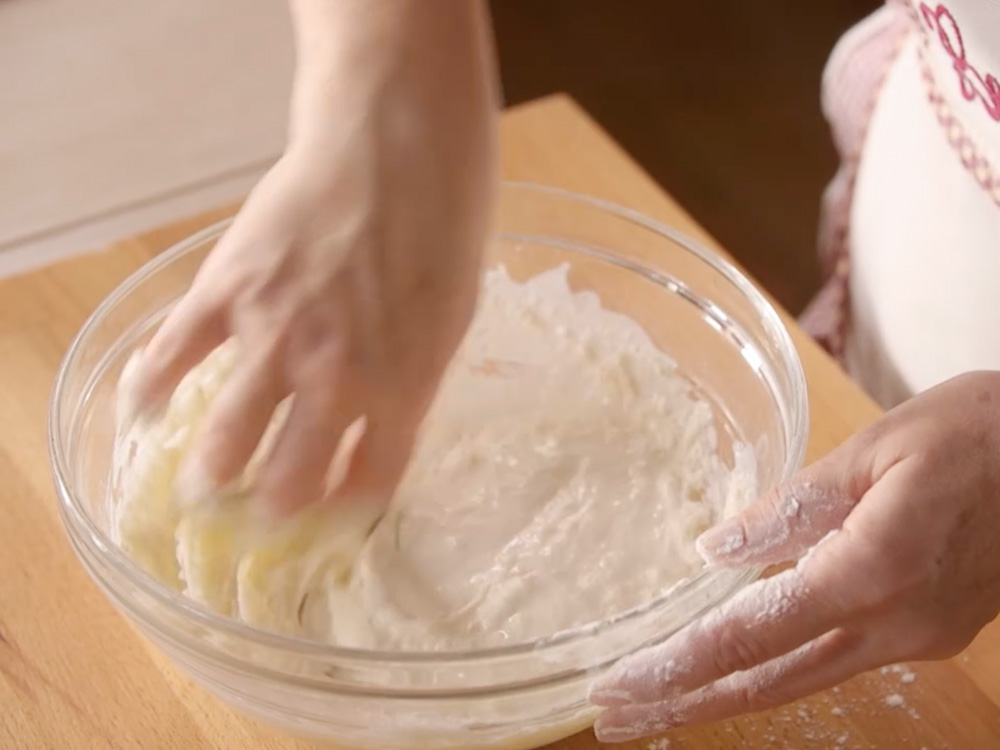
(350, 275)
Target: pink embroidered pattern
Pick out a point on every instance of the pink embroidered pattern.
(969, 153)
(973, 84)
(826, 318)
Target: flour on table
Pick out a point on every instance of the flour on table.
(895, 700)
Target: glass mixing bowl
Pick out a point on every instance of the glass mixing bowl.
(726, 339)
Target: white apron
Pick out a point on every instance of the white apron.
(911, 225)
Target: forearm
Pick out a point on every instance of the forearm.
(352, 53)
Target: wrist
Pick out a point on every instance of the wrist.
(353, 56)
(338, 35)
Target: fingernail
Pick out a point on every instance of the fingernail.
(614, 734)
(722, 541)
(645, 677)
(632, 724)
(610, 697)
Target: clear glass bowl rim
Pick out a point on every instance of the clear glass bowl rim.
(77, 519)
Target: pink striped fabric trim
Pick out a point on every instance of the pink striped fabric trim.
(851, 85)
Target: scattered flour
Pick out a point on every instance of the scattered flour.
(906, 675)
(821, 722)
(895, 700)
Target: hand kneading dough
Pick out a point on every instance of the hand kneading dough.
(560, 478)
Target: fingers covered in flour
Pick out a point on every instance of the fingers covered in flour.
(909, 573)
(783, 638)
(766, 620)
(791, 518)
(814, 666)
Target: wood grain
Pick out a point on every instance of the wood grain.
(74, 675)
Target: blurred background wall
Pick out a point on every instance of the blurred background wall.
(116, 116)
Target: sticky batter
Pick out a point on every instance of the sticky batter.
(561, 477)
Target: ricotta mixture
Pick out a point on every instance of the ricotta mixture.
(561, 477)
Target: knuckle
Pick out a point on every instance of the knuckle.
(266, 332)
(931, 637)
(876, 593)
(171, 340)
(736, 650)
(760, 696)
(892, 586)
(269, 343)
(283, 474)
(834, 577)
(319, 364)
(265, 280)
(830, 586)
(216, 442)
(324, 370)
(322, 327)
(868, 440)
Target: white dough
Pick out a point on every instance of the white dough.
(561, 477)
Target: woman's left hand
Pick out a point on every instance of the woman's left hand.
(912, 571)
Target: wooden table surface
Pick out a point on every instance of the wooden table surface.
(74, 675)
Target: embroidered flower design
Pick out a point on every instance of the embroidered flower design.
(974, 85)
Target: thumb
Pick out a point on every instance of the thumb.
(790, 518)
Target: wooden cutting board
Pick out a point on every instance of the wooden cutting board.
(74, 676)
